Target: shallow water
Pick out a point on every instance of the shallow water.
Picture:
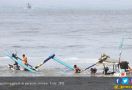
(76, 37)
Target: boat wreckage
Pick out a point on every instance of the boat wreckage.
(111, 67)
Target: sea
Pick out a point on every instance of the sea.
(74, 36)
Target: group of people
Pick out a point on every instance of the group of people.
(24, 61)
(124, 65)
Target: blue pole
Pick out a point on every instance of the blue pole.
(63, 63)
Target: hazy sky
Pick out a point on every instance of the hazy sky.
(92, 4)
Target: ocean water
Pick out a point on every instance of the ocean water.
(75, 36)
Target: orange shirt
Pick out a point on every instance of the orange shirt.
(24, 60)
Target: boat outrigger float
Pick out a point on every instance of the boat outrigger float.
(19, 62)
(63, 63)
(29, 67)
(57, 60)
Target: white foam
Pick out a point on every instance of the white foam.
(4, 57)
(80, 60)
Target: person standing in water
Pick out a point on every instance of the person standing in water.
(24, 60)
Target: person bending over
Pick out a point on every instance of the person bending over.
(77, 69)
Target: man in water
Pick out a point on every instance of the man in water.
(77, 70)
(24, 60)
(15, 65)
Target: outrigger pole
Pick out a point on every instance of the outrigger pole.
(100, 61)
(47, 59)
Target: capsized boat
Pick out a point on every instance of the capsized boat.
(112, 67)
